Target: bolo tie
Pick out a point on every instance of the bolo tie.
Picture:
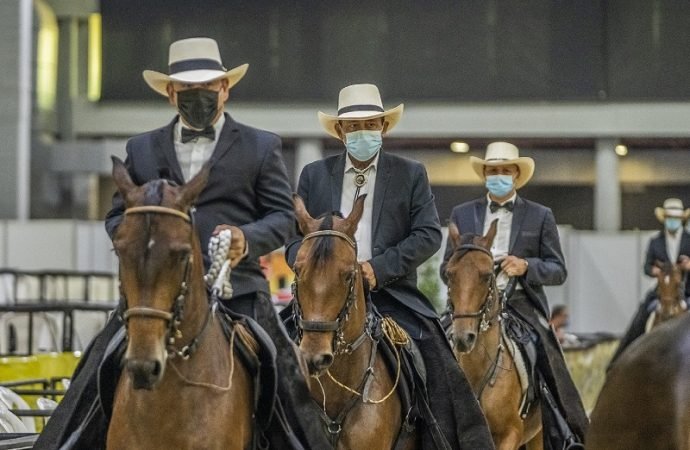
(360, 179)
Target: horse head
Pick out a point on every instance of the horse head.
(472, 292)
(160, 267)
(328, 285)
(670, 290)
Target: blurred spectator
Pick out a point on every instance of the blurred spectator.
(560, 318)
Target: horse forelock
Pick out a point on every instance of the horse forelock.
(153, 193)
(468, 239)
(323, 247)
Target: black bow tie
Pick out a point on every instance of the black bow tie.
(493, 206)
(189, 135)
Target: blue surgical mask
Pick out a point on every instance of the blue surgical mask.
(499, 185)
(363, 145)
(672, 224)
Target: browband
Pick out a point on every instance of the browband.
(158, 209)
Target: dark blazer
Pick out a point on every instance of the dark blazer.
(405, 226)
(656, 251)
(533, 236)
(248, 187)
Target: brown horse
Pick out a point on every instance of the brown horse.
(351, 381)
(480, 345)
(645, 401)
(670, 292)
(183, 385)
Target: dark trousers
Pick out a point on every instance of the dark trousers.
(451, 399)
(552, 369)
(80, 423)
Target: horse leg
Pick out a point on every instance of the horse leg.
(537, 442)
(510, 440)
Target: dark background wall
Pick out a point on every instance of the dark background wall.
(440, 50)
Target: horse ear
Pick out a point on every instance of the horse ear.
(350, 224)
(121, 177)
(307, 223)
(491, 234)
(190, 191)
(454, 234)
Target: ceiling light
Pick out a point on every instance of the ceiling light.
(459, 147)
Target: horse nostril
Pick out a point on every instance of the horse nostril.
(156, 368)
(464, 342)
(144, 373)
(470, 338)
(323, 361)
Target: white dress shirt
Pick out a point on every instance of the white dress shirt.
(193, 154)
(501, 243)
(347, 198)
(673, 244)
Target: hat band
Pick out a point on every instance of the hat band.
(195, 64)
(352, 108)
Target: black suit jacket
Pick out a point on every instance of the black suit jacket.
(405, 226)
(656, 251)
(248, 187)
(533, 236)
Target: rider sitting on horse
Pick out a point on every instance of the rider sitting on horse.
(670, 245)
(527, 249)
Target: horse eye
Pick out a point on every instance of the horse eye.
(181, 251)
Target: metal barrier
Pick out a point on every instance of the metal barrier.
(52, 300)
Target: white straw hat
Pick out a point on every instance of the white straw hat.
(504, 154)
(359, 102)
(673, 207)
(193, 60)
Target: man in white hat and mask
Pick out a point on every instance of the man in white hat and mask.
(528, 255)
(398, 231)
(247, 192)
(672, 244)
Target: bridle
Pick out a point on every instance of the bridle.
(491, 297)
(174, 317)
(340, 345)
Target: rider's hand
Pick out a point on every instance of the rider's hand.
(514, 266)
(655, 271)
(238, 245)
(684, 261)
(368, 274)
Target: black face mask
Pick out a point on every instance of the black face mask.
(198, 107)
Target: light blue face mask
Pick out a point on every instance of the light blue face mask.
(363, 145)
(672, 224)
(499, 185)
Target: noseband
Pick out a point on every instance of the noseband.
(174, 317)
(491, 297)
(336, 326)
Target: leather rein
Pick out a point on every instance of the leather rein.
(173, 318)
